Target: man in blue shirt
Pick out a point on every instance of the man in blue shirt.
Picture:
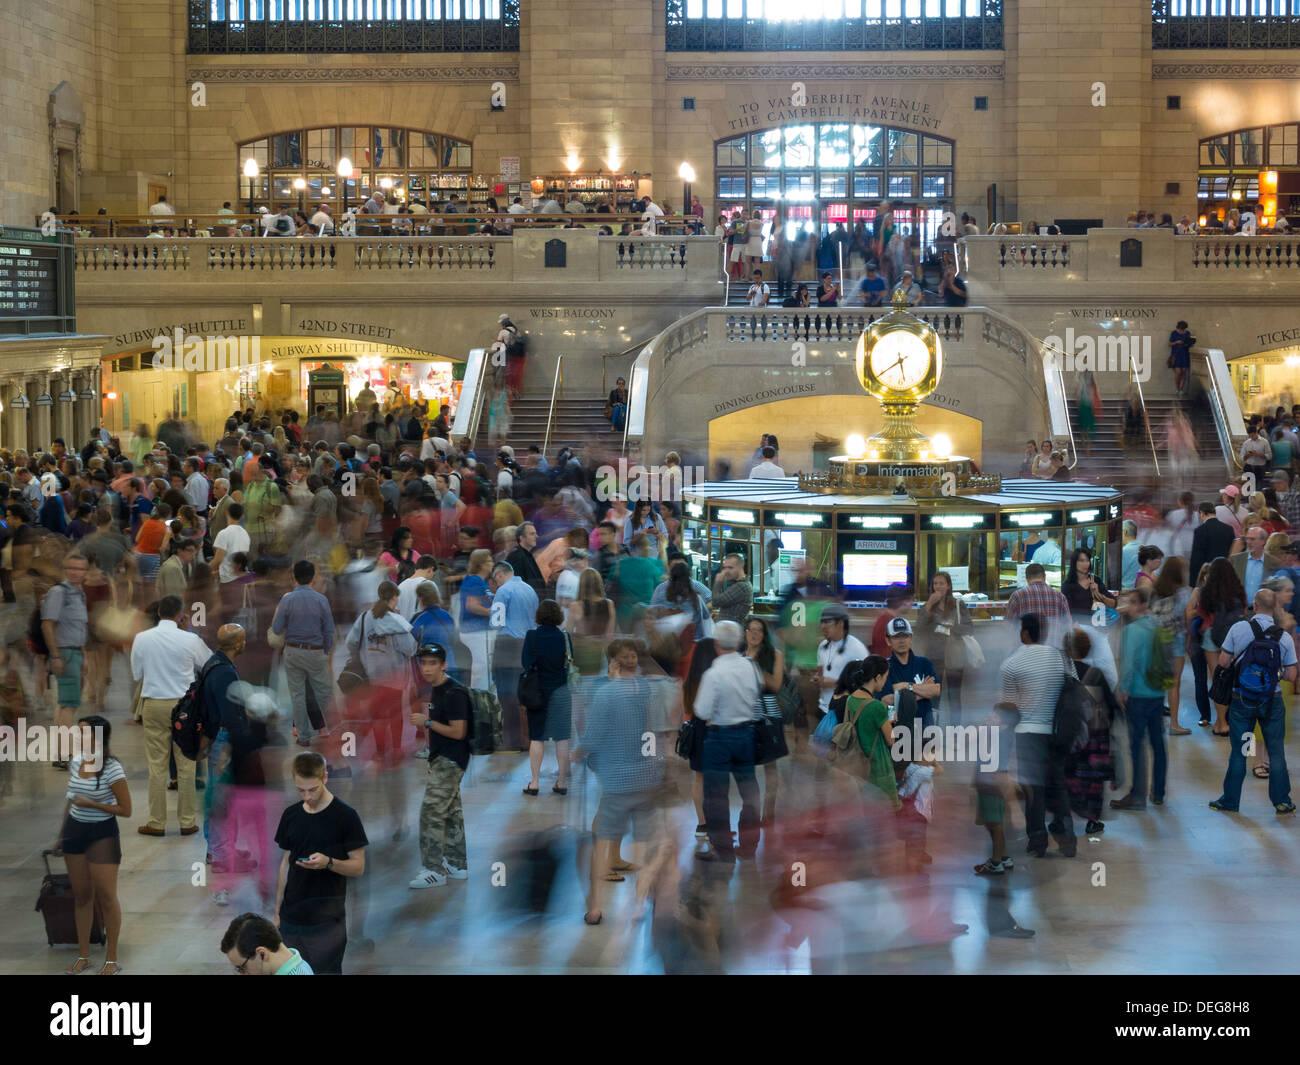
(873, 288)
(1250, 565)
(306, 622)
(1129, 554)
(909, 672)
(1270, 715)
(514, 612)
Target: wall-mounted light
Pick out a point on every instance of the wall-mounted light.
(572, 162)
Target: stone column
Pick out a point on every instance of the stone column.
(82, 409)
(41, 411)
(65, 401)
(15, 414)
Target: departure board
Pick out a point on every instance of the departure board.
(35, 282)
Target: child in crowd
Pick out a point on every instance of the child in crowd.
(993, 788)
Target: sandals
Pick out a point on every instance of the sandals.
(531, 791)
(117, 969)
(77, 967)
(1179, 731)
(559, 790)
(614, 878)
(1222, 735)
(1261, 771)
(586, 917)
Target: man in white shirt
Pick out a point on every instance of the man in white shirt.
(758, 291)
(566, 584)
(162, 207)
(408, 602)
(517, 207)
(166, 659)
(550, 205)
(1256, 454)
(1049, 554)
(197, 489)
(767, 468)
(653, 212)
(836, 651)
(725, 702)
(232, 539)
(322, 221)
(374, 205)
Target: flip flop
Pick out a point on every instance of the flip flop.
(1261, 771)
(614, 878)
(1180, 732)
(530, 791)
(586, 917)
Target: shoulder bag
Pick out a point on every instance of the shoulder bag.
(354, 673)
(769, 729)
(846, 753)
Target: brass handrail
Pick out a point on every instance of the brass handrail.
(550, 414)
(1146, 419)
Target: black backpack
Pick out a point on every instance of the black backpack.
(1074, 709)
(191, 730)
(35, 634)
(517, 348)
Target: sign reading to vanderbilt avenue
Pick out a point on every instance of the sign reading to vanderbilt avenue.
(862, 107)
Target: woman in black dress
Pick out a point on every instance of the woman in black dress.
(549, 650)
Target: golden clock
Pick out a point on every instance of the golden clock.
(899, 357)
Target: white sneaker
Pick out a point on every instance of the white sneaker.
(221, 898)
(423, 752)
(427, 878)
(453, 872)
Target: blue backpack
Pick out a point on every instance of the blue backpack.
(1259, 666)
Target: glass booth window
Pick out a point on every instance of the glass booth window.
(965, 557)
(1017, 549)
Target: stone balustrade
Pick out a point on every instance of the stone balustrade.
(521, 258)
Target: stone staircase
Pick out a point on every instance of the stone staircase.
(580, 424)
(1107, 463)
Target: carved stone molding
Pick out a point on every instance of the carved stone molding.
(346, 74)
(67, 118)
(835, 71)
(1168, 71)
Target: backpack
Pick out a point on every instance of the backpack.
(484, 732)
(846, 753)
(1259, 666)
(35, 634)
(191, 731)
(517, 347)
(1074, 709)
(1160, 670)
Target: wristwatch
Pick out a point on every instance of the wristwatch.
(330, 864)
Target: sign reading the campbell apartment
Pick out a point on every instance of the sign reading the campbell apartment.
(892, 110)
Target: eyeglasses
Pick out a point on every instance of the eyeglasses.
(243, 969)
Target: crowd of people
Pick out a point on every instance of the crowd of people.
(347, 593)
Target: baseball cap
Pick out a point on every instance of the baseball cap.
(898, 627)
(506, 449)
(835, 612)
(502, 318)
(1230, 490)
(434, 650)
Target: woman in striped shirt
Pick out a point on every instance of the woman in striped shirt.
(90, 842)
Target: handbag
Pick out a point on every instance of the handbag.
(246, 616)
(1221, 685)
(689, 734)
(788, 699)
(769, 729)
(354, 673)
(820, 740)
(974, 652)
(573, 675)
(530, 693)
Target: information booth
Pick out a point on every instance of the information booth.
(861, 545)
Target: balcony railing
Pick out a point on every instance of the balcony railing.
(632, 258)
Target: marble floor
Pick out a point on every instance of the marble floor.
(1175, 889)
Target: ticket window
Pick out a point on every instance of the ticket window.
(968, 559)
(736, 540)
(1018, 548)
(785, 551)
(695, 544)
(1093, 537)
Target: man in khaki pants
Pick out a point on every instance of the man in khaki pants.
(166, 659)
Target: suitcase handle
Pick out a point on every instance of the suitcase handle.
(45, 857)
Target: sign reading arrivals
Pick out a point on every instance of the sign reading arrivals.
(36, 274)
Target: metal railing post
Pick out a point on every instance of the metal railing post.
(550, 414)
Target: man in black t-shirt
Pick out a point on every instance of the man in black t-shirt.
(323, 843)
(442, 818)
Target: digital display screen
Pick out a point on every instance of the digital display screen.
(874, 571)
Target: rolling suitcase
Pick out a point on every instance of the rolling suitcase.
(56, 904)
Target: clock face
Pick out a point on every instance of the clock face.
(900, 361)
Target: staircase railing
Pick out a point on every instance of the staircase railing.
(1146, 418)
(473, 395)
(1058, 402)
(1229, 425)
(604, 362)
(555, 391)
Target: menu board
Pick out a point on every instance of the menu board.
(35, 282)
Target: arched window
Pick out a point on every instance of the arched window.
(1230, 165)
(406, 164)
(1225, 23)
(258, 26)
(813, 177)
(831, 25)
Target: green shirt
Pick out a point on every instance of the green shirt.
(295, 966)
(870, 721)
(260, 500)
(636, 579)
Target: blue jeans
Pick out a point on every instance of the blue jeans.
(1241, 723)
(617, 416)
(212, 800)
(1146, 719)
(729, 751)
